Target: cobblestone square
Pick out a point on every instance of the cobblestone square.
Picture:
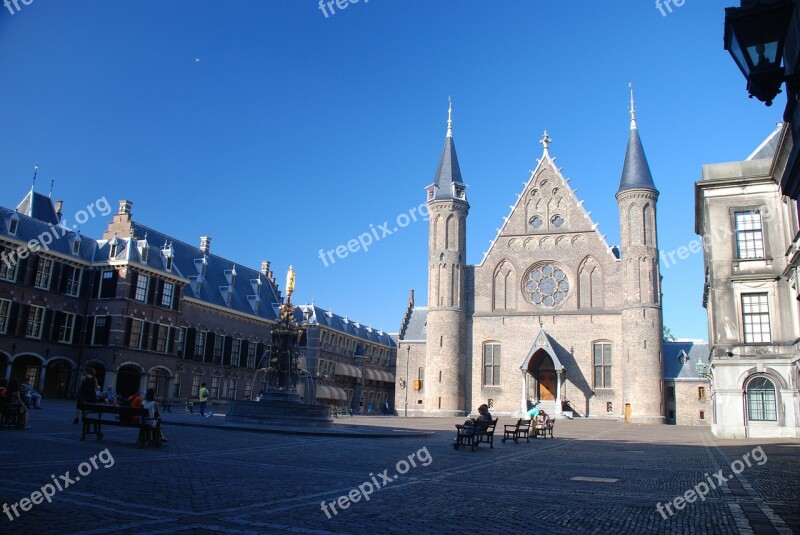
(594, 477)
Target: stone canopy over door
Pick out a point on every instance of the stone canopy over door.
(542, 374)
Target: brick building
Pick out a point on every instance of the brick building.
(140, 307)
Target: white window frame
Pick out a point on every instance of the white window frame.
(142, 285)
(66, 331)
(44, 274)
(200, 343)
(136, 344)
(35, 322)
(163, 338)
(236, 351)
(5, 315)
(74, 283)
(8, 270)
(167, 296)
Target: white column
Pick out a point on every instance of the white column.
(524, 402)
(558, 390)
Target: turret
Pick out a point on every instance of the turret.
(443, 386)
(642, 326)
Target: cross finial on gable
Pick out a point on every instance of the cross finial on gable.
(545, 141)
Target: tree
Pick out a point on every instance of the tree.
(667, 335)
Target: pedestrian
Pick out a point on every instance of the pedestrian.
(386, 408)
(17, 405)
(30, 396)
(87, 391)
(203, 395)
(361, 406)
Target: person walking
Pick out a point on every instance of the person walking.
(203, 395)
(87, 391)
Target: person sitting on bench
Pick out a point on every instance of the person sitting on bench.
(150, 404)
(483, 415)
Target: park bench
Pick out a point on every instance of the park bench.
(516, 431)
(543, 429)
(10, 416)
(472, 435)
(93, 422)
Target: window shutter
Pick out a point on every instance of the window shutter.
(176, 296)
(243, 353)
(128, 326)
(24, 310)
(170, 338)
(259, 355)
(107, 331)
(145, 331)
(76, 333)
(50, 324)
(151, 290)
(226, 351)
(87, 281)
(134, 280)
(158, 285)
(13, 311)
(209, 354)
(60, 276)
(31, 273)
(188, 346)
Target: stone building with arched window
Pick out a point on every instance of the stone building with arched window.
(749, 230)
(552, 316)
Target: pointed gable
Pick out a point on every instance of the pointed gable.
(547, 215)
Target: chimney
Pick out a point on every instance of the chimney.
(205, 244)
(265, 267)
(125, 207)
(59, 204)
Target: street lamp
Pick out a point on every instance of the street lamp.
(408, 355)
(754, 35)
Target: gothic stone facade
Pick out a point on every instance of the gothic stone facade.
(552, 316)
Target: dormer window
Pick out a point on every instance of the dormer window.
(113, 248)
(168, 254)
(145, 251)
(200, 264)
(76, 246)
(230, 274)
(13, 224)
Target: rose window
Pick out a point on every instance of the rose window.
(547, 285)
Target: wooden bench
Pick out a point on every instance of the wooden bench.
(10, 416)
(472, 435)
(516, 431)
(93, 421)
(544, 429)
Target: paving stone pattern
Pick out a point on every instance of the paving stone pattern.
(208, 479)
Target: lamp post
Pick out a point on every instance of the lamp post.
(754, 35)
(408, 356)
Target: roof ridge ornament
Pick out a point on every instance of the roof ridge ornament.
(633, 107)
(545, 141)
(450, 117)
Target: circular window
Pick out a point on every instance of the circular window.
(536, 222)
(547, 285)
(557, 221)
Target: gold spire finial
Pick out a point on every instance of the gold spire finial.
(450, 117)
(290, 283)
(35, 172)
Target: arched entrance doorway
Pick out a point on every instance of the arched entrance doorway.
(129, 379)
(27, 366)
(3, 365)
(542, 374)
(158, 379)
(543, 387)
(57, 379)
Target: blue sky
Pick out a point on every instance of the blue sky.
(279, 132)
